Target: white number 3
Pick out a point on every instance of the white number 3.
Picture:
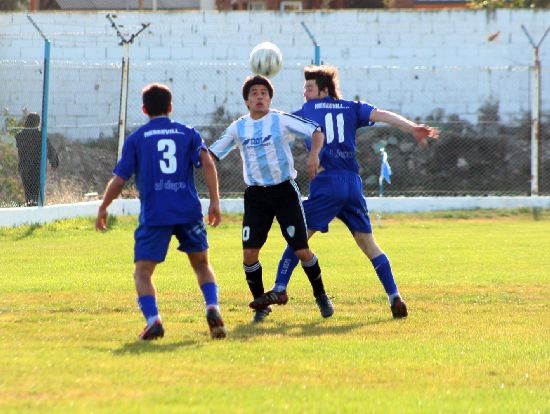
(169, 163)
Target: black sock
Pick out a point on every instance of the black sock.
(313, 272)
(253, 274)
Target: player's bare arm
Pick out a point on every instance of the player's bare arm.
(113, 190)
(211, 178)
(420, 132)
(312, 164)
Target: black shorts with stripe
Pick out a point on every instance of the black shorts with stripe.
(263, 204)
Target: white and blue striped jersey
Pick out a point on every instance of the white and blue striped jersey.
(265, 145)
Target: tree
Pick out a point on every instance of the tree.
(6, 5)
(509, 4)
(366, 4)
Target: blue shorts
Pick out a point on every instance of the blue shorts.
(151, 242)
(337, 194)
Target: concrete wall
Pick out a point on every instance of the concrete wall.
(10, 217)
(412, 62)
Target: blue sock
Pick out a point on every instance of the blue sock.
(210, 293)
(148, 306)
(287, 264)
(383, 269)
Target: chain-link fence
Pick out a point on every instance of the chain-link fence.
(482, 150)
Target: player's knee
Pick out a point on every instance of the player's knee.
(305, 255)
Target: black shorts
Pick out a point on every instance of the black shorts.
(263, 204)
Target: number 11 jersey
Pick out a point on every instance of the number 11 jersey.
(340, 120)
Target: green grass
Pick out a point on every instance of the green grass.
(477, 338)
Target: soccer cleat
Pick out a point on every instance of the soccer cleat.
(325, 305)
(154, 331)
(260, 314)
(269, 298)
(215, 323)
(398, 308)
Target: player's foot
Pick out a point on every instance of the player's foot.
(260, 314)
(269, 298)
(325, 305)
(398, 308)
(215, 323)
(154, 331)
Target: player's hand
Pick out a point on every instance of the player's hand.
(312, 165)
(422, 132)
(214, 214)
(101, 220)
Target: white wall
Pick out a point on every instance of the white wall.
(407, 61)
(10, 217)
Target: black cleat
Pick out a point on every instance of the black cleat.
(260, 314)
(154, 331)
(215, 323)
(398, 308)
(325, 305)
(269, 298)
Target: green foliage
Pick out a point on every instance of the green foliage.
(472, 343)
(13, 5)
(366, 4)
(12, 123)
(509, 4)
(11, 190)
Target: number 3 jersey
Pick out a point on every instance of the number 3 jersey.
(340, 120)
(162, 155)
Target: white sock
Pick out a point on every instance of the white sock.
(212, 307)
(151, 320)
(392, 297)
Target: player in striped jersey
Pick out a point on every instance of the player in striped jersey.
(337, 191)
(264, 137)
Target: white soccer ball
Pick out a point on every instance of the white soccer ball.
(266, 59)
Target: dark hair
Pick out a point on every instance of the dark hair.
(156, 99)
(325, 77)
(32, 120)
(256, 80)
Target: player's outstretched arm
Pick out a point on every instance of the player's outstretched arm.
(113, 190)
(312, 164)
(420, 132)
(211, 178)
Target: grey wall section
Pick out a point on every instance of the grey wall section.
(411, 62)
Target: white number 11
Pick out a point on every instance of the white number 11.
(329, 123)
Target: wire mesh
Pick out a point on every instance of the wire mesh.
(484, 147)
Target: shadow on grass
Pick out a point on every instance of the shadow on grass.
(29, 231)
(142, 347)
(297, 329)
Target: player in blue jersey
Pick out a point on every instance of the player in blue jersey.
(264, 138)
(337, 191)
(162, 154)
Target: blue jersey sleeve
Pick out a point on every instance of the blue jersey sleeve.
(126, 166)
(198, 145)
(363, 114)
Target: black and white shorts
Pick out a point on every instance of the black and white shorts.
(263, 204)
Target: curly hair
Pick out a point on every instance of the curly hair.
(250, 81)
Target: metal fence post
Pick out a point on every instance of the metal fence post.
(124, 82)
(45, 94)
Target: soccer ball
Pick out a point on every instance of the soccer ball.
(266, 59)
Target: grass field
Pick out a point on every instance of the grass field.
(477, 338)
